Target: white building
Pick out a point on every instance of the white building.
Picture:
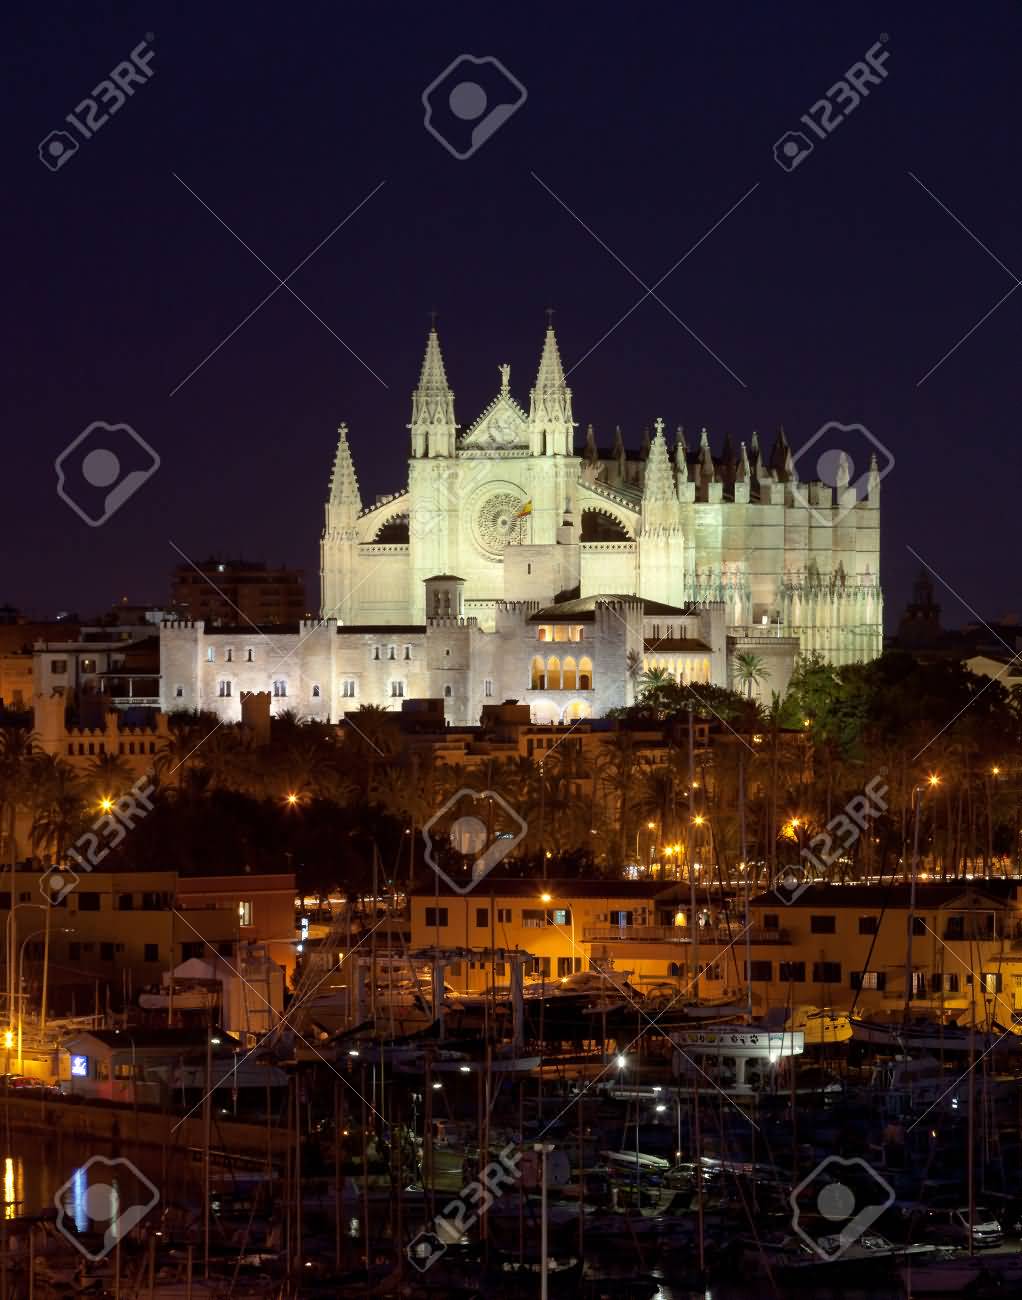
(507, 541)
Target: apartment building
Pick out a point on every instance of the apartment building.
(842, 947)
(111, 934)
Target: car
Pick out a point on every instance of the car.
(953, 1226)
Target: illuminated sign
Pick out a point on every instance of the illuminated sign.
(79, 1067)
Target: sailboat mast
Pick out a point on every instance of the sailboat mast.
(692, 924)
(748, 882)
(913, 869)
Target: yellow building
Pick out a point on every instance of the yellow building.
(115, 930)
(545, 918)
(842, 947)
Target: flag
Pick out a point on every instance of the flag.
(525, 510)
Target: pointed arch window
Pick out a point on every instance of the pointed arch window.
(585, 673)
(537, 679)
(553, 673)
(569, 680)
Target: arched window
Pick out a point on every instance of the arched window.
(315, 691)
(570, 677)
(553, 673)
(577, 709)
(538, 678)
(448, 692)
(673, 968)
(706, 670)
(585, 673)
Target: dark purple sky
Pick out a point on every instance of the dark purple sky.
(830, 291)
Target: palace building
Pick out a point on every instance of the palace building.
(516, 563)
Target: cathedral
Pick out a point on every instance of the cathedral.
(524, 561)
(519, 510)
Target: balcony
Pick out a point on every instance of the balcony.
(681, 934)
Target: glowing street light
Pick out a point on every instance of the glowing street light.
(621, 1062)
(292, 799)
(933, 779)
(106, 804)
(545, 898)
(699, 820)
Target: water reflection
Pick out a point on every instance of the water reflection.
(14, 1186)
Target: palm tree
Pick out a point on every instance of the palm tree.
(58, 818)
(59, 811)
(107, 776)
(657, 688)
(18, 748)
(750, 671)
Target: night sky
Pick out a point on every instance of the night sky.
(829, 291)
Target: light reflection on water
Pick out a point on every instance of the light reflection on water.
(36, 1168)
(14, 1186)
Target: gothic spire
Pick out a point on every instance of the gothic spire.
(550, 415)
(658, 486)
(589, 453)
(779, 452)
(681, 455)
(433, 425)
(743, 472)
(705, 458)
(645, 445)
(343, 479)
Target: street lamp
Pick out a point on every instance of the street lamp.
(21, 996)
(932, 781)
(11, 972)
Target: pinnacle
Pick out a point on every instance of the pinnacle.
(550, 376)
(433, 376)
(343, 479)
(433, 401)
(659, 481)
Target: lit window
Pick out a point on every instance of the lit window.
(245, 912)
(397, 690)
(210, 655)
(348, 688)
